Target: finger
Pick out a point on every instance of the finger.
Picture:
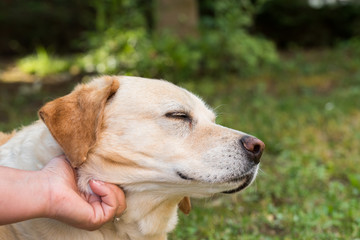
(109, 202)
(93, 198)
(120, 195)
(111, 196)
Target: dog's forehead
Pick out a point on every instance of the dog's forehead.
(152, 90)
(160, 94)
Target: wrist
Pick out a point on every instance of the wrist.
(44, 198)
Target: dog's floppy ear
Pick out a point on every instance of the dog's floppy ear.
(75, 119)
(185, 205)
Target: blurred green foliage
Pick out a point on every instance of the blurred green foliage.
(296, 22)
(123, 44)
(26, 24)
(306, 108)
(42, 63)
(59, 25)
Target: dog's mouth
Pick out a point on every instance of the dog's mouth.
(245, 181)
(183, 176)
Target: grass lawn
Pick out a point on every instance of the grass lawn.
(307, 111)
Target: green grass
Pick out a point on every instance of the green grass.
(307, 111)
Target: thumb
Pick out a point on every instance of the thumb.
(111, 196)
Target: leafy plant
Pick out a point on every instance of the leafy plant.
(122, 45)
(43, 64)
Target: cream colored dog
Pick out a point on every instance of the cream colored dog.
(158, 142)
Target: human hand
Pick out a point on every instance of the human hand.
(67, 204)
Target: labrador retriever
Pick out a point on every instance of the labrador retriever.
(157, 141)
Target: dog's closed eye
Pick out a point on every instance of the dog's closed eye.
(179, 116)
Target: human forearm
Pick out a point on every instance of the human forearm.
(24, 195)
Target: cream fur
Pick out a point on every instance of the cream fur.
(143, 151)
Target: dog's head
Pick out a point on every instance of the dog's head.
(150, 135)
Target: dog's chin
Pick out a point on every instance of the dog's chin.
(232, 185)
(245, 181)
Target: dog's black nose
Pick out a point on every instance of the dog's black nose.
(253, 147)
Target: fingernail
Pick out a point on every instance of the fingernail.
(98, 182)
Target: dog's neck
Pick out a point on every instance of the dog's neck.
(150, 215)
(147, 216)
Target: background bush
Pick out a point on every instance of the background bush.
(27, 24)
(295, 22)
(118, 37)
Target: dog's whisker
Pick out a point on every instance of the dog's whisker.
(262, 171)
(221, 105)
